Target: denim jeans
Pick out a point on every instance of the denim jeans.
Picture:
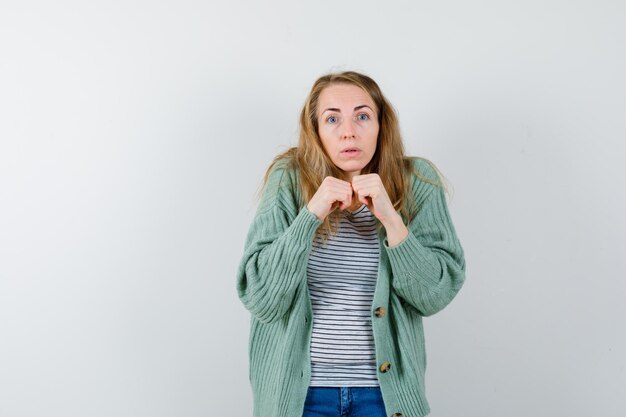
(344, 402)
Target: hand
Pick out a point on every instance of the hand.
(332, 193)
(370, 191)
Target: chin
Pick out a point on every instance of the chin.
(351, 167)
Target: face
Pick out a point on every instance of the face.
(348, 126)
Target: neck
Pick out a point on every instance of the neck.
(352, 174)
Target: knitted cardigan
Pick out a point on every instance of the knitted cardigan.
(418, 277)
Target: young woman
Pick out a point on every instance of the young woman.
(351, 245)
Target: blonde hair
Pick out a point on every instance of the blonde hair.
(389, 160)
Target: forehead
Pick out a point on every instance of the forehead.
(344, 95)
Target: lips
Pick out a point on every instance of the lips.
(350, 150)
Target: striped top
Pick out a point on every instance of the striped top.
(342, 276)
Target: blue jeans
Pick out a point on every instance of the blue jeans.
(344, 402)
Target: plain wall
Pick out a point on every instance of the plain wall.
(133, 136)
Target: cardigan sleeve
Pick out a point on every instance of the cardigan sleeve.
(428, 266)
(276, 249)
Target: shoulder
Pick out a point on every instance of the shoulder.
(281, 173)
(425, 184)
(425, 177)
(280, 185)
(424, 170)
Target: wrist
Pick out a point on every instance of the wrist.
(394, 222)
(308, 207)
(396, 230)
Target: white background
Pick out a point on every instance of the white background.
(133, 136)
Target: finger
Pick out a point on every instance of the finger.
(332, 194)
(342, 186)
(336, 181)
(369, 203)
(346, 202)
(337, 194)
(365, 178)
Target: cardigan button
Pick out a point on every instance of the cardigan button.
(380, 312)
(384, 367)
(397, 415)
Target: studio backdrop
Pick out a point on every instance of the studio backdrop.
(134, 136)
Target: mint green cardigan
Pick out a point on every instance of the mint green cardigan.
(416, 278)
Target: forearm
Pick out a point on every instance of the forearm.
(428, 265)
(274, 262)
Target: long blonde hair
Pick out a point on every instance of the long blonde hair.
(389, 160)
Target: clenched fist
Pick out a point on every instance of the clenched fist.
(332, 193)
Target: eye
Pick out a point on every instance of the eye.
(363, 116)
(331, 119)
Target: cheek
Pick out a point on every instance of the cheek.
(326, 143)
(373, 139)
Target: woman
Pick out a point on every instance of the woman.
(351, 245)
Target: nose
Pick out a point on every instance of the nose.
(348, 130)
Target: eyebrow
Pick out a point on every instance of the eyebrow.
(355, 109)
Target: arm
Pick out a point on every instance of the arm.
(275, 253)
(428, 266)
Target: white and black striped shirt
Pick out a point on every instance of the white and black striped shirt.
(342, 276)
